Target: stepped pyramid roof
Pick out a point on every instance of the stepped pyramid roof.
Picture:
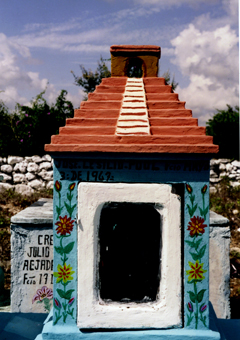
(138, 115)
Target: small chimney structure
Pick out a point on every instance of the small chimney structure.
(131, 211)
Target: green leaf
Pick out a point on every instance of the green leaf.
(200, 295)
(68, 247)
(69, 196)
(191, 244)
(68, 294)
(192, 198)
(197, 243)
(192, 296)
(59, 210)
(195, 256)
(190, 318)
(59, 250)
(194, 208)
(65, 295)
(202, 251)
(201, 211)
(189, 210)
(69, 208)
(61, 293)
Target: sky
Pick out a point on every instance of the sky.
(42, 41)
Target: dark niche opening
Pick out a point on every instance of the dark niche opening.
(130, 250)
(135, 68)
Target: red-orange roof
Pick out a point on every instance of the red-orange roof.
(115, 118)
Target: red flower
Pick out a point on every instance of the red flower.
(65, 225)
(70, 302)
(58, 186)
(189, 188)
(204, 189)
(57, 303)
(196, 226)
(72, 186)
(203, 308)
(190, 307)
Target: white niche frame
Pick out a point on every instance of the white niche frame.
(165, 312)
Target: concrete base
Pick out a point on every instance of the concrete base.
(51, 332)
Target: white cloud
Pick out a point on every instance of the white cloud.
(231, 7)
(10, 97)
(212, 53)
(76, 99)
(14, 82)
(170, 3)
(203, 96)
(210, 60)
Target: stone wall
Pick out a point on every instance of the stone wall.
(27, 174)
(220, 168)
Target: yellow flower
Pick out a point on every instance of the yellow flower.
(196, 272)
(64, 273)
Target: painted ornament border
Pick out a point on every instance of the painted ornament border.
(64, 298)
(197, 303)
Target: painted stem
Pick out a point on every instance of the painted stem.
(196, 313)
(64, 255)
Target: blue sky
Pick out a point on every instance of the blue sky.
(42, 41)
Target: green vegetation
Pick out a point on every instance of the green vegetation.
(224, 127)
(24, 132)
(169, 81)
(7, 138)
(226, 202)
(89, 79)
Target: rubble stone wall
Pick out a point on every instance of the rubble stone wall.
(220, 168)
(27, 174)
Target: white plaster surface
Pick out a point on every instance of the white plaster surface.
(31, 268)
(134, 99)
(165, 312)
(219, 265)
(31, 257)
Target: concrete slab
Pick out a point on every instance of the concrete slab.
(16, 326)
(40, 212)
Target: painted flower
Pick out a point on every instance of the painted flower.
(189, 188)
(64, 273)
(203, 308)
(65, 225)
(43, 293)
(72, 186)
(57, 303)
(190, 307)
(204, 189)
(196, 272)
(58, 186)
(26, 115)
(70, 302)
(196, 226)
